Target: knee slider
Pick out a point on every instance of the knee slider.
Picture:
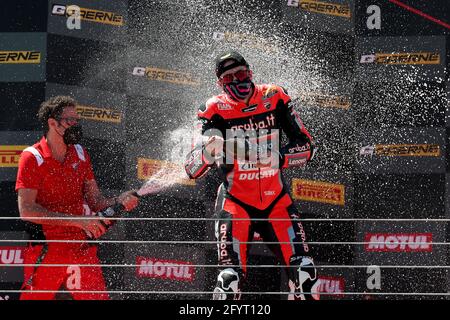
(304, 282)
(228, 285)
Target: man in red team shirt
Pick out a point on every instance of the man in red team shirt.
(253, 188)
(54, 180)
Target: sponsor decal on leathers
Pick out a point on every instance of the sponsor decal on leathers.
(20, 57)
(402, 58)
(402, 150)
(10, 155)
(318, 191)
(328, 8)
(165, 269)
(398, 242)
(99, 114)
(153, 168)
(87, 14)
(164, 75)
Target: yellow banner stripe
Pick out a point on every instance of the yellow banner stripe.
(317, 191)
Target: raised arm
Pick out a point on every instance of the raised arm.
(300, 147)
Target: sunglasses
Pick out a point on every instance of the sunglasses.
(241, 75)
(69, 120)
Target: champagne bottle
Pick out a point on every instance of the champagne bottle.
(114, 211)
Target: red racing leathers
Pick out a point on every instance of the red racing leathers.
(250, 191)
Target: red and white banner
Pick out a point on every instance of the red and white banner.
(11, 255)
(165, 269)
(333, 285)
(398, 242)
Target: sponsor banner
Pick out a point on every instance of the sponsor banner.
(402, 150)
(401, 18)
(404, 60)
(414, 58)
(10, 155)
(332, 286)
(334, 282)
(321, 192)
(22, 56)
(104, 21)
(246, 40)
(334, 16)
(398, 242)
(162, 75)
(99, 114)
(103, 112)
(405, 151)
(323, 100)
(322, 7)
(402, 243)
(11, 145)
(165, 75)
(165, 269)
(88, 14)
(148, 168)
(318, 191)
(12, 254)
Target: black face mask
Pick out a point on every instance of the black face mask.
(73, 134)
(239, 90)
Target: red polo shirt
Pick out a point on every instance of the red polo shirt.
(60, 185)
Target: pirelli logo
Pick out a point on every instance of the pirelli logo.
(165, 75)
(402, 58)
(149, 167)
(245, 39)
(10, 155)
(328, 8)
(318, 191)
(99, 114)
(20, 57)
(402, 150)
(92, 15)
(326, 101)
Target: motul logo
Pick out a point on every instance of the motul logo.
(332, 285)
(11, 255)
(398, 242)
(165, 269)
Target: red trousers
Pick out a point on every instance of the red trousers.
(71, 278)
